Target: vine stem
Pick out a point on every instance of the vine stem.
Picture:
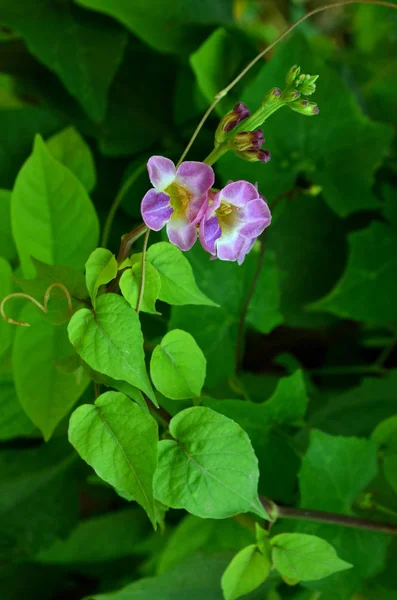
(142, 287)
(116, 203)
(319, 516)
(227, 89)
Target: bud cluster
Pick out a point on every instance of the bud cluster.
(300, 84)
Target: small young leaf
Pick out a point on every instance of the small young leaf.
(209, 469)
(100, 268)
(178, 285)
(48, 204)
(177, 366)
(119, 441)
(130, 284)
(46, 393)
(70, 149)
(246, 572)
(110, 341)
(305, 557)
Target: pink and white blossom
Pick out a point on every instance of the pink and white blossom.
(235, 217)
(178, 199)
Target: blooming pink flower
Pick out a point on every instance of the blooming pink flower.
(178, 199)
(233, 220)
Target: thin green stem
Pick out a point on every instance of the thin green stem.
(142, 288)
(117, 201)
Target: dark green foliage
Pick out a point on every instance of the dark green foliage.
(145, 434)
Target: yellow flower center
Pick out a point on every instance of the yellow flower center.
(179, 197)
(227, 215)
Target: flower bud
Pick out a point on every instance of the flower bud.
(271, 95)
(253, 155)
(231, 120)
(306, 84)
(304, 107)
(290, 95)
(246, 140)
(292, 74)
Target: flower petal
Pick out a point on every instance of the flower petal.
(197, 208)
(181, 233)
(256, 216)
(161, 172)
(197, 177)
(230, 245)
(239, 193)
(247, 247)
(210, 231)
(156, 209)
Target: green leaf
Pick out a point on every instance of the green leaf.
(287, 405)
(135, 121)
(121, 386)
(5, 289)
(193, 534)
(84, 54)
(39, 500)
(195, 579)
(278, 463)
(167, 27)
(106, 537)
(178, 285)
(100, 268)
(72, 279)
(216, 330)
(297, 143)
(370, 279)
(246, 572)
(110, 341)
(309, 259)
(48, 203)
(347, 478)
(18, 127)
(209, 469)
(217, 61)
(356, 411)
(71, 150)
(46, 276)
(7, 245)
(131, 280)
(335, 470)
(119, 441)
(13, 421)
(385, 435)
(305, 557)
(177, 366)
(46, 393)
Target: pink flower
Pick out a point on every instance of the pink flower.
(233, 220)
(178, 199)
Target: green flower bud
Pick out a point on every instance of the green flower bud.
(292, 74)
(304, 107)
(290, 95)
